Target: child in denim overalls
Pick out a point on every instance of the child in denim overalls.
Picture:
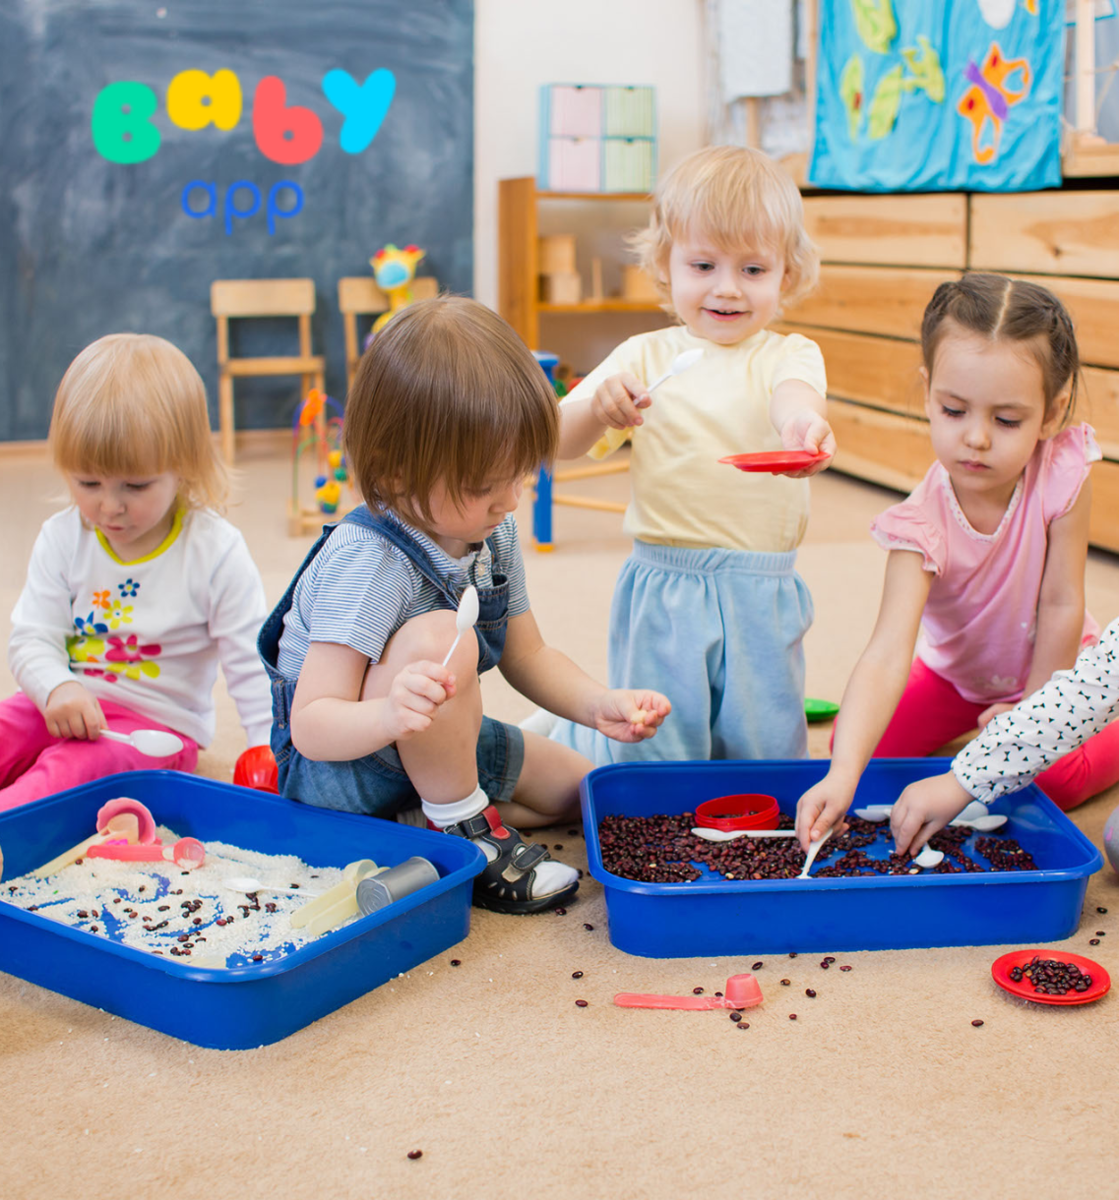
(447, 414)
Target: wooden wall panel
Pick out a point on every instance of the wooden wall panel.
(1104, 527)
(1098, 404)
(880, 446)
(878, 371)
(882, 300)
(908, 231)
(1059, 233)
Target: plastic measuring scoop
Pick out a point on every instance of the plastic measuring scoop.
(156, 743)
(336, 904)
(465, 618)
(123, 818)
(742, 991)
(187, 852)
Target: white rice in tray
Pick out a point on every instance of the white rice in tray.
(185, 915)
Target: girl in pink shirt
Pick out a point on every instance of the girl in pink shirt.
(986, 558)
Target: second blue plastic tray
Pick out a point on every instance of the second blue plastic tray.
(716, 916)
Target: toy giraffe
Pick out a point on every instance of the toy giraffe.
(394, 270)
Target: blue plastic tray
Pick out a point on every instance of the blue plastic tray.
(716, 916)
(239, 1007)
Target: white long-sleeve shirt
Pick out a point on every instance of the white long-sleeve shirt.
(1060, 716)
(147, 634)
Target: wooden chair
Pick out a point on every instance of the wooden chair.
(359, 295)
(236, 298)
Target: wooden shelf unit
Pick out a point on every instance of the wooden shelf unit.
(883, 255)
(518, 286)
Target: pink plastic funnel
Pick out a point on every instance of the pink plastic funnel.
(742, 991)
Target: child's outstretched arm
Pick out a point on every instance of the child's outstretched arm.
(616, 403)
(550, 679)
(1017, 746)
(329, 720)
(799, 414)
(871, 695)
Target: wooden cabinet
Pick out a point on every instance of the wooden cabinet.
(519, 204)
(883, 256)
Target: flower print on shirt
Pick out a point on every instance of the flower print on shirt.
(127, 657)
(129, 588)
(120, 614)
(102, 600)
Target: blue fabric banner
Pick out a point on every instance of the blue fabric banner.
(937, 95)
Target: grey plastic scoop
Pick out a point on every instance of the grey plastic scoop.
(156, 743)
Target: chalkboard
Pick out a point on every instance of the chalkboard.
(90, 245)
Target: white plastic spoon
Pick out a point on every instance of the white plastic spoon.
(682, 361)
(156, 743)
(928, 858)
(728, 835)
(982, 822)
(245, 883)
(465, 618)
(813, 850)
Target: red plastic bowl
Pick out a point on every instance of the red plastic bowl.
(1001, 968)
(256, 768)
(751, 810)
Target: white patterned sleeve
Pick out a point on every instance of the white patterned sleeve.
(1060, 716)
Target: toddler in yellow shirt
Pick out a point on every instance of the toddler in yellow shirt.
(708, 607)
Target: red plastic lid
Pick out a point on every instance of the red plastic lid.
(751, 810)
(1001, 968)
(774, 461)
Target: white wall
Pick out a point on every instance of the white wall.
(520, 44)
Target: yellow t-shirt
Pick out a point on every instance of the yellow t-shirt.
(681, 494)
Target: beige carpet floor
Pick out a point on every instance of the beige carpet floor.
(882, 1086)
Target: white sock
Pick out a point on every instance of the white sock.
(541, 722)
(442, 815)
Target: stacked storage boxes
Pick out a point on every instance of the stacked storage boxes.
(597, 138)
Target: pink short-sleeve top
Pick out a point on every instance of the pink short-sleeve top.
(980, 622)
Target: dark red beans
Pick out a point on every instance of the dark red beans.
(586, 926)
(576, 974)
(825, 964)
(560, 912)
(786, 982)
(977, 1023)
(1101, 910)
(744, 1025)
(792, 954)
(1093, 941)
(844, 968)
(456, 962)
(414, 1154)
(736, 1017)
(82, 913)
(697, 991)
(258, 958)
(810, 992)
(580, 1004)
(93, 929)
(559, 845)
(1099, 932)
(757, 966)
(792, 1016)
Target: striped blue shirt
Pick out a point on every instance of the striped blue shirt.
(360, 588)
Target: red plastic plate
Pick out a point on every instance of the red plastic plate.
(774, 461)
(1000, 973)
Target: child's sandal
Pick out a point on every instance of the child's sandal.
(505, 886)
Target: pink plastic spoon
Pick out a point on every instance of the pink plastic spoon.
(742, 991)
(187, 852)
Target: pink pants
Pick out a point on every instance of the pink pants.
(931, 713)
(33, 764)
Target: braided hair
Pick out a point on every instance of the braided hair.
(1000, 308)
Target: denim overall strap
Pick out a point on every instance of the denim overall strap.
(493, 602)
(268, 640)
